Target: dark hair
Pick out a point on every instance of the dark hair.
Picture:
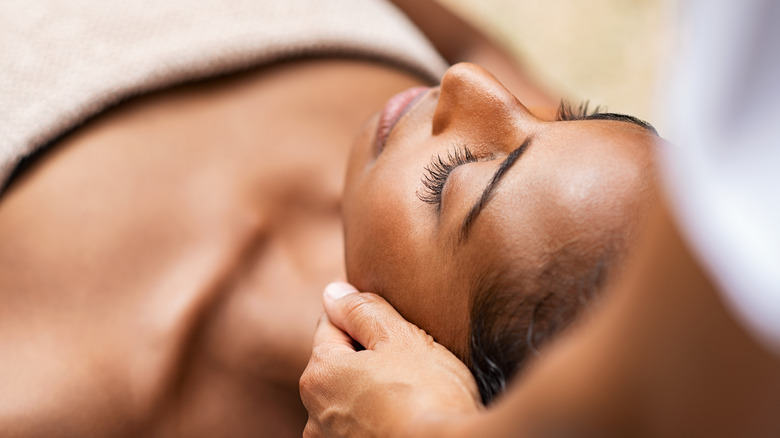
(512, 318)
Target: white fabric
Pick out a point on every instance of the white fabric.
(724, 174)
(63, 61)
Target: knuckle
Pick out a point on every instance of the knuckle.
(310, 431)
(422, 334)
(309, 382)
(419, 336)
(304, 385)
(319, 353)
(316, 379)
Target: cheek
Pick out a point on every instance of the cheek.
(359, 212)
(391, 249)
(381, 229)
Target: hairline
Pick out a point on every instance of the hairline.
(511, 301)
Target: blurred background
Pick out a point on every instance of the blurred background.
(612, 52)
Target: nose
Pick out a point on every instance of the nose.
(473, 104)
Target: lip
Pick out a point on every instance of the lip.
(395, 108)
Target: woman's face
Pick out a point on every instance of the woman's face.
(505, 191)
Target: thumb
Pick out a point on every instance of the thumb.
(366, 317)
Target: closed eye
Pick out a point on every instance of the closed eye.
(437, 172)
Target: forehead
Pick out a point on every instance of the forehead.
(604, 137)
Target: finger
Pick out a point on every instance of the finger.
(330, 339)
(366, 317)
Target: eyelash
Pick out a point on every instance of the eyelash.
(437, 172)
(567, 112)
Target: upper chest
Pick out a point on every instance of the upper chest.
(191, 231)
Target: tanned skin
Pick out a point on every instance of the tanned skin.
(161, 265)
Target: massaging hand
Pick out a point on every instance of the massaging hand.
(402, 384)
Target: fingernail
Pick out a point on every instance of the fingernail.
(337, 290)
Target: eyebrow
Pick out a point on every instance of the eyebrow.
(567, 112)
(503, 168)
(622, 118)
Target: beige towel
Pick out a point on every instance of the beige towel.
(64, 61)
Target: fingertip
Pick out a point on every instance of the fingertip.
(337, 290)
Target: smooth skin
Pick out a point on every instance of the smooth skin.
(661, 357)
(155, 278)
(579, 187)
